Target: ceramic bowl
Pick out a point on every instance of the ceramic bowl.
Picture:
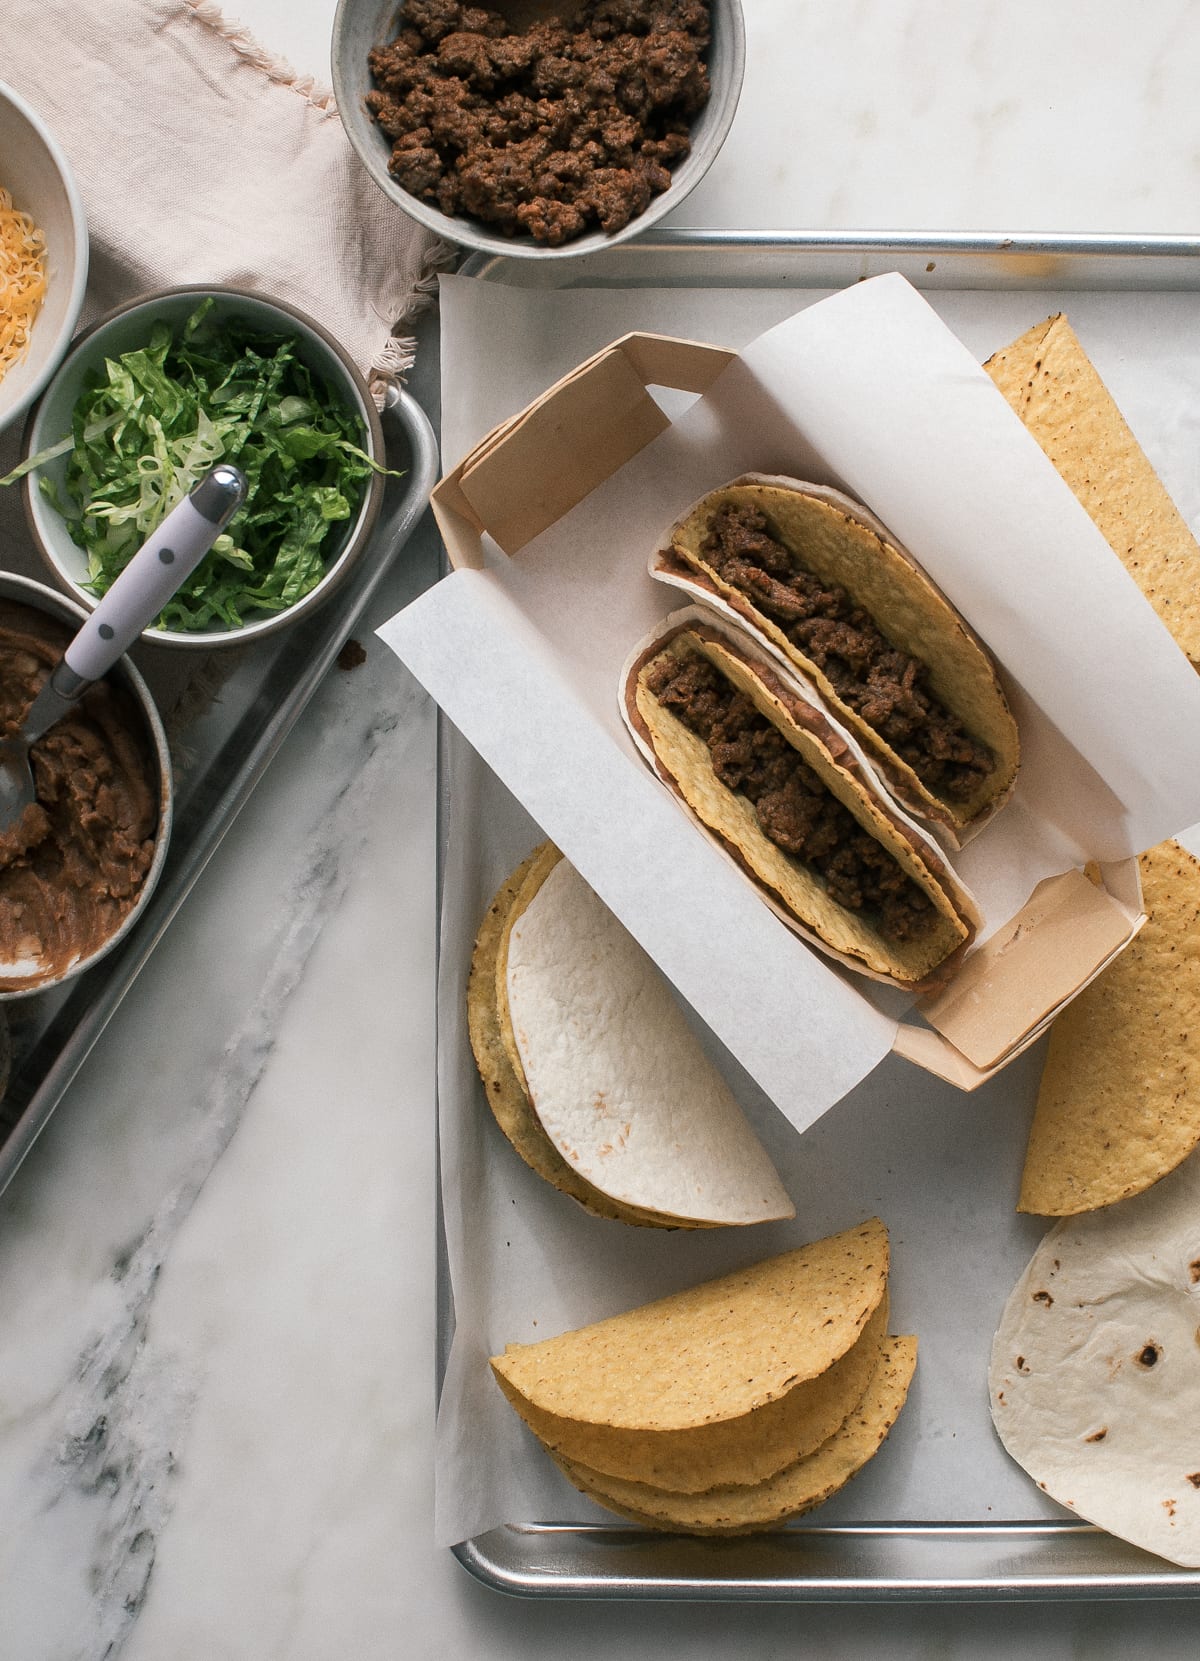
(125, 330)
(359, 25)
(36, 175)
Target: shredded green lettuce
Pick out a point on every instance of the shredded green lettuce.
(146, 430)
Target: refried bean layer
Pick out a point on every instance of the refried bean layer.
(882, 684)
(794, 808)
(73, 865)
(571, 124)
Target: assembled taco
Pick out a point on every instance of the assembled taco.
(826, 587)
(775, 783)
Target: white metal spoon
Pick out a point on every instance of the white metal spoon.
(168, 557)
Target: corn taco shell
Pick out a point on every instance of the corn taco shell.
(1049, 380)
(1095, 1368)
(946, 740)
(713, 1352)
(595, 1071)
(918, 945)
(1119, 1101)
(798, 1488)
(740, 1451)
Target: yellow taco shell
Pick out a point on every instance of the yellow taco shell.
(1049, 380)
(1119, 1101)
(744, 1450)
(713, 1352)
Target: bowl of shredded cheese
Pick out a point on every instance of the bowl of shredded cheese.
(43, 255)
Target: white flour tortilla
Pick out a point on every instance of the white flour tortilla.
(1095, 1372)
(616, 1076)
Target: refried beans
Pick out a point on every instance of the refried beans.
(568, 125)
(882, 684)
(73, 865)
(794, 808)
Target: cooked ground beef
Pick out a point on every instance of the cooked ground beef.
(885, 686)
(794, 808)
(550, 132)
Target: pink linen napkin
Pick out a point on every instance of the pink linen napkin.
(201, 158)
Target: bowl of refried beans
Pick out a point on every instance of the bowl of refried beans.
(79, 865)
(537, 128)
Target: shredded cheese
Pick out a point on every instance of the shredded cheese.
(22, 280)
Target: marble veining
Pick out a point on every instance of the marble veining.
(105, 1444)
(128, 1407)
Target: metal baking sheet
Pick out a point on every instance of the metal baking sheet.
(971, 1560)
(807, 259)
(220, 756)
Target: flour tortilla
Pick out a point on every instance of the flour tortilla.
(616, 1077)
(713, 1352)
(791, 1492)
(1050, 382)
(837, 539)
(503, 1087)
(682, 758)
(1119, 1101)
(1095, 1369)
(629, 1093)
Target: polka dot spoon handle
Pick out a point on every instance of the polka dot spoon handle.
(131, 605)
(169, 556)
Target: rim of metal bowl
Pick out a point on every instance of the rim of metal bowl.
(356, 536)
(41, 597)
(465, 232)
(79, 275)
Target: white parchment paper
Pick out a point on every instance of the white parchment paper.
(940, 1167)
(869, 390)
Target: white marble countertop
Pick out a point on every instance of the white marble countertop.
(217, 1263)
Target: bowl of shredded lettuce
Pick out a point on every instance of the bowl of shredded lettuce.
(152, 397)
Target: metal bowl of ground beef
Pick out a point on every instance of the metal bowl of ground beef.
(541, 128)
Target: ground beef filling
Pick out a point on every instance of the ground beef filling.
(883, 685)
(550, 132)
(794, 808)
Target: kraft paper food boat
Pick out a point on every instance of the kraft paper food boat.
(870, 392)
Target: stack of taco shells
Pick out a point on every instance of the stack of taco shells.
(733, 1406)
